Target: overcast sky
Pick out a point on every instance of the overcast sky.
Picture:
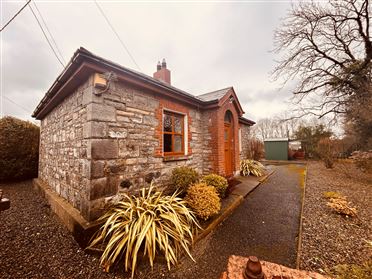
(207, 46)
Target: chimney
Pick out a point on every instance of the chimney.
(162, 72)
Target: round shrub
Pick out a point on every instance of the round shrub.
(203, 200)
(19, 149)
(218, 182)
(183, 177)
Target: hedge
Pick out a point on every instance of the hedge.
(19, 149)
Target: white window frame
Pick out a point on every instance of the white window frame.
(240, 140)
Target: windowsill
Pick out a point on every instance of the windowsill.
(172, 158)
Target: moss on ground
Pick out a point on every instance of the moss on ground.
(354, 271)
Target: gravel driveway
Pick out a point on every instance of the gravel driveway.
(330, 239)
(34, 244)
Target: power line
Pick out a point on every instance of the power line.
(18, 105)
(24, 6)
(117, 35)
(50, 34)
(46, 37)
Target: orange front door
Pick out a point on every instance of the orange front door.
(228, 150)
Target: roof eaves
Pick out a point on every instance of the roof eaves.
(246, 121)
(49, 94)
(139, 75)
(85, 54)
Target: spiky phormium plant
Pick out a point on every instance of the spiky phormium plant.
(148, 223)
(253, 167)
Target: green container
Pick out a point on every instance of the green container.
(276, 149)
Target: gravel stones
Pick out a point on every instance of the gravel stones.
(330, 239)
(34, 244)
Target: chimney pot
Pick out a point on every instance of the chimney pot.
(162, 73)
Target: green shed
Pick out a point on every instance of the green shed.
(276, 149)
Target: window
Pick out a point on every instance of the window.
(228, 117)
(173, 133)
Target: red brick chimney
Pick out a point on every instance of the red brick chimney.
(162, 72)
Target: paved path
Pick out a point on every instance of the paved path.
(266, 224)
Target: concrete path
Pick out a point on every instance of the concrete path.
(266, 225)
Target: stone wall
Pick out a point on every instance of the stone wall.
(63, 162)
(245, 137)
(98, 143)
(124, 126)
(207, 152)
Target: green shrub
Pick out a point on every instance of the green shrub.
(183, 177)
(203, 200)
(19, 149)
(218, 182)
(253, 167)
(147, 224)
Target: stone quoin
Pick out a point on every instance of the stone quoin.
(106, 128)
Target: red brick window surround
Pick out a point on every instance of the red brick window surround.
(173, 133)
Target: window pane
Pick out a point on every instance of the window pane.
(167, 142)
(167, 122)
(177, 143)
(178, 124)
(226, 135)
(228, 117)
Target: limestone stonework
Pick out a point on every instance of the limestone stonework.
(102, 132)
(245, 136)
(63, 159)
(95, 145)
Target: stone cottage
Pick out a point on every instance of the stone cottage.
(106, 128)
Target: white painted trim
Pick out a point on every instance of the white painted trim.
(185, 134)
(276, 139)
(240, 140)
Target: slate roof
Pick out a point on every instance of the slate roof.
(73, 64)
(144, 76)
(214, 95)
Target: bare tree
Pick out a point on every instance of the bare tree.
(327, 49)
(283, 126)
(267, 128)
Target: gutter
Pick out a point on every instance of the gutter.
(82, 55)
(246, 121)
(142, 77)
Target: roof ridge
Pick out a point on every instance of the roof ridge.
(215, 91)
